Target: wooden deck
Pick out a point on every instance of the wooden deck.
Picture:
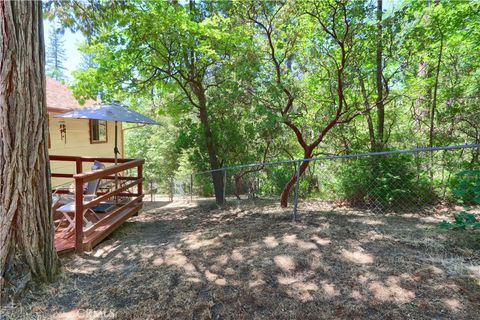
(87, 230)
(109, 222)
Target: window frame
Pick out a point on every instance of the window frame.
(90, 129)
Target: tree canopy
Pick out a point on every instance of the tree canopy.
(242, 82)
(55, 53)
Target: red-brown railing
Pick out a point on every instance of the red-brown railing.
(109, 173)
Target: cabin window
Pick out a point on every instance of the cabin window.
(98, 131)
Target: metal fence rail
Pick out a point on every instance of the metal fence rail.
(379, 181)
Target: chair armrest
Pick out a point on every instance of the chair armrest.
(89, 197)
(70, 206)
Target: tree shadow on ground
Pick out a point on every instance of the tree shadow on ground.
(248, 260)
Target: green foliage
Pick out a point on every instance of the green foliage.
(275, 179)
(466, 187)
(462, 221)
(156, 56)
(388, 181)
(203, 185)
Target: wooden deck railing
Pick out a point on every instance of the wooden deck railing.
(122, 190)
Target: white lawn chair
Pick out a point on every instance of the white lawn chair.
(68, 209)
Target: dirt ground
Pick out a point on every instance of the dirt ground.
(249, 261)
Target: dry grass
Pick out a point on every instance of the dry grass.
(185, 261)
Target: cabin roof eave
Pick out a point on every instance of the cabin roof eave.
(58, 110)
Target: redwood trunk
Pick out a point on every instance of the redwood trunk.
(26, 222)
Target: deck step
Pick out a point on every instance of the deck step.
(105, 227)
(108, 225)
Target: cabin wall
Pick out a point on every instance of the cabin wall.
(77, 143)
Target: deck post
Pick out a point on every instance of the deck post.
(79, 165)
(140, 176)
(78, 215)
(81, 238)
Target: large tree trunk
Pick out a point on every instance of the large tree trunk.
(26, 222)
(434, 105)
(217, 176)
(371, 130)
(195, 83)
(379, 81)
(435, 93)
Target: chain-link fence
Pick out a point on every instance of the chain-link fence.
(390, 181)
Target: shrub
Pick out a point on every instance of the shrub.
(466, 187)
(462, 221)
(386, 182)
(275, 179)
(203, 185)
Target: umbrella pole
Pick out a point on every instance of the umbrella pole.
(115, 150)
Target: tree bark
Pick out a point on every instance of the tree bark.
(309, 148)
(217, 176)
(435, 91)
(288, 187)
(26, 222)
(379, 80)
(434, 105)
(371, 131)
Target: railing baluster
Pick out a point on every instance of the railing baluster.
(140, 176)
(78, 215)
(108, 173)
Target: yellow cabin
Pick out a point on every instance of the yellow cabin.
(76, 137)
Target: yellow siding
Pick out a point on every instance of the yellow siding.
(78, 144)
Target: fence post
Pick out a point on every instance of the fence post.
(78, 215)
(224, 185)
(191, 187)
(295, 201)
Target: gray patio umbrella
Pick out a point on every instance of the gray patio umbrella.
(110, 112)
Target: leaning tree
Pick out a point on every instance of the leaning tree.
(307, 48)
(26, 225)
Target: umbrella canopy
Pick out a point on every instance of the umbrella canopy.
(108, 111)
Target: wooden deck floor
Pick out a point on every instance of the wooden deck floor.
(107, 224)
